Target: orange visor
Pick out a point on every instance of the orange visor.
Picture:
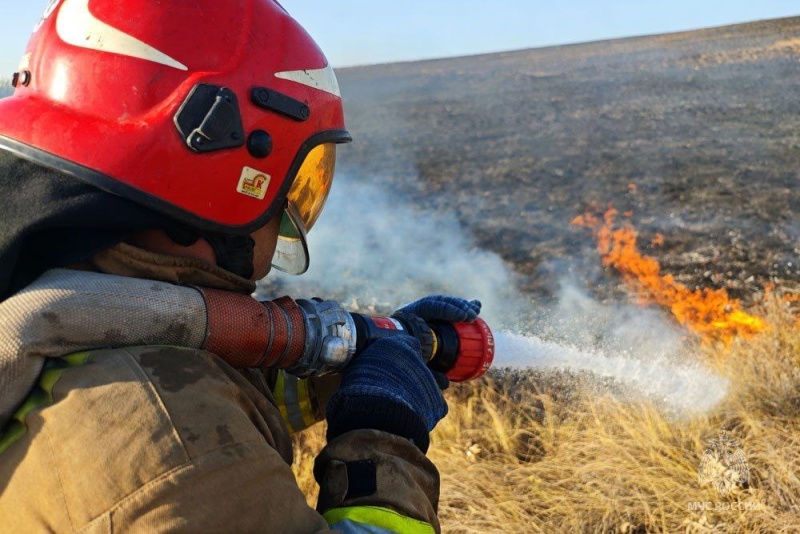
(305, 201)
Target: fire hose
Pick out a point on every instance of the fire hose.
(88, 311)
(316, 337)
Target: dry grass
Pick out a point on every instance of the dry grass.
(538, 454)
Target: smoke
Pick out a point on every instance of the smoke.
(374, 250)
(374, 246)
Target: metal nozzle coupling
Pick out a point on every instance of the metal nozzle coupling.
(331, 339)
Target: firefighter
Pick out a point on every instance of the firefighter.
(149, 147)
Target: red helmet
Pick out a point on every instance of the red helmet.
(213, 113)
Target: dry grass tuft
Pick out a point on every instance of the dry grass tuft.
(548, 453)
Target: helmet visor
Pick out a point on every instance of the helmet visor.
(305, 201)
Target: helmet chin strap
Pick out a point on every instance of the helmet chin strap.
(234, 252)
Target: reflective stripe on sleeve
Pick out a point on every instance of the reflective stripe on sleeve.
(373, 520)
(294, 401)
(304, 402)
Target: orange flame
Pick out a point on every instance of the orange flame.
(657, 241)
(709, 313)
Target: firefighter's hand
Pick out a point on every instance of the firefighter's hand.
(444, 308)
(388, 387)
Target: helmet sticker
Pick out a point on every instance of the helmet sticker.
(321, 79)
(77, 26)
(254, 183)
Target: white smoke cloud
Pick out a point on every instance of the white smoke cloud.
(373, 245)
(632, 331)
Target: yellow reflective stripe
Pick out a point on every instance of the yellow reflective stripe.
(40, 396)
(378, 517)
(280, 400)
(294, 402)
(304, 402)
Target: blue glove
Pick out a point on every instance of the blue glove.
(388, 387)
(444, 308)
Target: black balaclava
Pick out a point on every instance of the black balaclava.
(49, 220)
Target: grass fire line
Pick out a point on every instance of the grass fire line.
(711, 314)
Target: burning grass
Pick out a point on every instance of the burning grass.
(547, 453)
(709, 313)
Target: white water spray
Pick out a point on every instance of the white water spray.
(687, 388)
(374, 252)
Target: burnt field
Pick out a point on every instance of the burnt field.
(697, 134)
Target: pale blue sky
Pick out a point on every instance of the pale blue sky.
(354, 32)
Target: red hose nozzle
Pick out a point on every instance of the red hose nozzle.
(475, 351)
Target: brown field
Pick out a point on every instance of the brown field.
(697, 133)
